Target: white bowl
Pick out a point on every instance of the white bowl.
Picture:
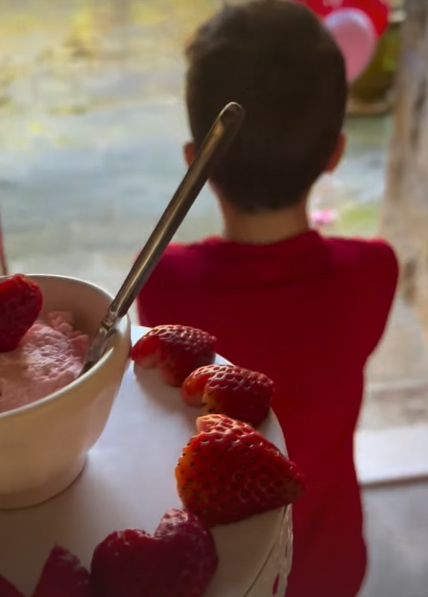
(43, 445)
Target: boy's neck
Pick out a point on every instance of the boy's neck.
(265, 227)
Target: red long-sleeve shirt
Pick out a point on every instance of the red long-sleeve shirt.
(307, 311)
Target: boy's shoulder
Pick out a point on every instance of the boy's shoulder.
(182, 254)
(182, 263)
(349, 252)
(364, 255)
(347, 257)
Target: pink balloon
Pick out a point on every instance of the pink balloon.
(356, 36)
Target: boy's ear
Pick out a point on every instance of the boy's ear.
(337, 154)
(189, 152)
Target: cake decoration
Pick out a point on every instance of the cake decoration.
(178, 560)
(63, 575)
(229, 471)
(176, 350)
(231, 390)
(7, 589)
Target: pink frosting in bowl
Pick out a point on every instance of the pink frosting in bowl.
(49, 357)
(48, 422)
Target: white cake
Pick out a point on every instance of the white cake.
(129, 482)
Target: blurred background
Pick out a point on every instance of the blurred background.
(92, 128)
(92, 125)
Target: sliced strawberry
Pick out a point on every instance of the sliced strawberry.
(20, 304)
(8, 590)
(227, 389)
(177, 561)
(240, 394)
(64, 576)
(193, 386)
(176, 349)
(190, 537)
(230, 471)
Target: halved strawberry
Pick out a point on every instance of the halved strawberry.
(20, 303)
(234, 391)
(229, 471)
(192, 390)
(176, 349)
(63, 575)
(8, 590)
(178, 560)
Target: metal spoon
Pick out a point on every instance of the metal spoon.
(213, 147)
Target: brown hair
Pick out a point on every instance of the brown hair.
(277, 60)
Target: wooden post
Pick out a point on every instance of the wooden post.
(405, 208)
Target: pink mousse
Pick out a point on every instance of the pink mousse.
(49, 357)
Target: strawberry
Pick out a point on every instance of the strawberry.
(7, 589)
(20, 303)
(63, 575)
(177, 561)
(229, 471)
(230, 390)
(192, 390)
(176, 349)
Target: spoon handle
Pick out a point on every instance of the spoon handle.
(213, 147)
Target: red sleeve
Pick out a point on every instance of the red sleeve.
(366, 272)
(383, 269)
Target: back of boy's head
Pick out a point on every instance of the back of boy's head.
(277, 60)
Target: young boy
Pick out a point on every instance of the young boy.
(280, 298)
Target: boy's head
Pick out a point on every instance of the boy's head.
(276, 59)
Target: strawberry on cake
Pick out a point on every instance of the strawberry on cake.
(229, 472)
(176, 350)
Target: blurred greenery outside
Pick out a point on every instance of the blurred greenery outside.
(92, 124)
